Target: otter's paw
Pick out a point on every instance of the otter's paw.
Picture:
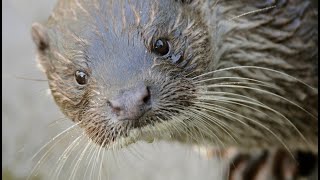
(268, 165)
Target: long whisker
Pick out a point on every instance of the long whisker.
(75, 154)
(267, 92)
(254, 67)
(261, 125)
(94, 165)
(208, 131)
(65, 155)
(89, 155)
(223, 78)
(75, 169)
(217, 107)
(259, 104)
(208, 118)
(57, 121)
(101, 161)
(251, 12)
(97, 157)
(55, 140)
(246, 83)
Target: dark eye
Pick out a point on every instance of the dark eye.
(161, 47)
(81, 77)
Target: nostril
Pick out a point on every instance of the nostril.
(147, 96)
(109, 103)
(115, 107)
(116, 110)
(131, 103)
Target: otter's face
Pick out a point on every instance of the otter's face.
(119, 67)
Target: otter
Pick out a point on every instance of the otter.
(224, 73)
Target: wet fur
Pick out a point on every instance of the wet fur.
(192, 104)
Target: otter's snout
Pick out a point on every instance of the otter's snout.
(131, 104)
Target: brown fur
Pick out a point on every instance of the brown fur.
(190, 105)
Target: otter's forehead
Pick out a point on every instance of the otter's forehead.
(119, 61)
(114, 15)
(113, 35)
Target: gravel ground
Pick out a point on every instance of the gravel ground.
(27, 111)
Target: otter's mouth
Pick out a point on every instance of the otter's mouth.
(119, 134)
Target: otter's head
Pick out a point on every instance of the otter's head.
(121, 68)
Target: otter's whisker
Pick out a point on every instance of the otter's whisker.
(230, 102)
(223, 95)
(53, 123)
(235, 101)
(208, 132)
(136, 148)
(64, 156)
(89, 157)
(263, 106)
(178, 120)
(223, 78)
(115, 156)
(75, 156)
(55, 140)
(248, 83)
(91, 162)
(187, 131)
(168, 127)
(222, 126)
(30, 79)
(216, 109)
(219, 110)
(96, 154)
(266, 128)
(76, 166)
(255, 67)
(251, 12)
(93, 150)
(267, 92)
(100, 167)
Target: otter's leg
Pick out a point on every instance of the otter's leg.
(265, 164)
(273, 164)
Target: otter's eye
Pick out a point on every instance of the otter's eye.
(161, 47)
(81, 77)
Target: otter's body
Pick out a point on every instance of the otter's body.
(202, 72)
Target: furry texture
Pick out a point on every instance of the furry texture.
(229, 80)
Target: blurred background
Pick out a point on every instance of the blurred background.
(30, 118)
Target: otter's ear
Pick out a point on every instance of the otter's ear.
(184, 1)
(40, 37)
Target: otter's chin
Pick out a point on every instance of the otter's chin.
(120, 134)
(117, 142)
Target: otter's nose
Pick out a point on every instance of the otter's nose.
(131, 104)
